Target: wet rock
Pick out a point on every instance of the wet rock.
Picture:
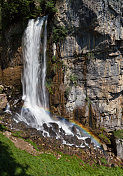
(51, 132)
(46, 128)
(62, 132)
(22, 125)
(55, 127)
(69, 139)
(73, 140)
(74, 130)
(88, 141)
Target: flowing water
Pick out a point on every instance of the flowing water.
(34, 112)
(34, 58)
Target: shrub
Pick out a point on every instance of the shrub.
(118, 134)
(2, 127)
(50, 7)
(13, 11)
(21, 10)
(59, 34)
(49, 85)
(73, 79)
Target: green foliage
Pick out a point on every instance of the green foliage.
(103, 161)
(73, 79)
(49, 85)
(88, 100)
(16, 162)
(17, 134)
(2, 127)
(50, 7)
(90, 54)
(118, 134)
(22, 10)
(59, 34)
(32, 143)
(65, 67)
(54, 58)
(1, 89)
(105, 138)
(13, 11)
(67, 91)
(55, 66)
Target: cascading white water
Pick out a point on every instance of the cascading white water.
(34, 73)
(34, 76)
(44, 97)
(33, 112)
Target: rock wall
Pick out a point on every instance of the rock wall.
(11, 61)
(92, 55)
(119, 144)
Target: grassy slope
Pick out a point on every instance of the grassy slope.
(14, 162)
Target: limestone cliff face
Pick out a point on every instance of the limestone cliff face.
(92, 55)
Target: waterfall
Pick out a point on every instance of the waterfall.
(32, 68)
(34, 73)
(44, 97)
(34, 112)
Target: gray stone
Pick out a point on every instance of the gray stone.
(93, 52)
(3, 101)
(119, 145)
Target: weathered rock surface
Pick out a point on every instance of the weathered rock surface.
(119, 145)
(3, 101)
(92, 55)
(11, 58)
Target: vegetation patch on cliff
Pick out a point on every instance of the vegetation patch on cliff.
(118, 134)
(20, 10)
(59, 34)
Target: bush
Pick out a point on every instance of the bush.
(49, 85)
(118, 134)
(73, 79)
(50, 7)
(59, 34)
(13, 11)
(21, 10)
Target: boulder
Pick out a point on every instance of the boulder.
(3, 101)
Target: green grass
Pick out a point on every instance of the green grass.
(2, 127)
(118, 134)
(15, 162)
(18, 135)
(32, 143)
(105, 138)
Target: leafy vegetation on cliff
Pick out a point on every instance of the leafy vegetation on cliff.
(17, 162)
(59, 34)
(21, 10)
(118, 134)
